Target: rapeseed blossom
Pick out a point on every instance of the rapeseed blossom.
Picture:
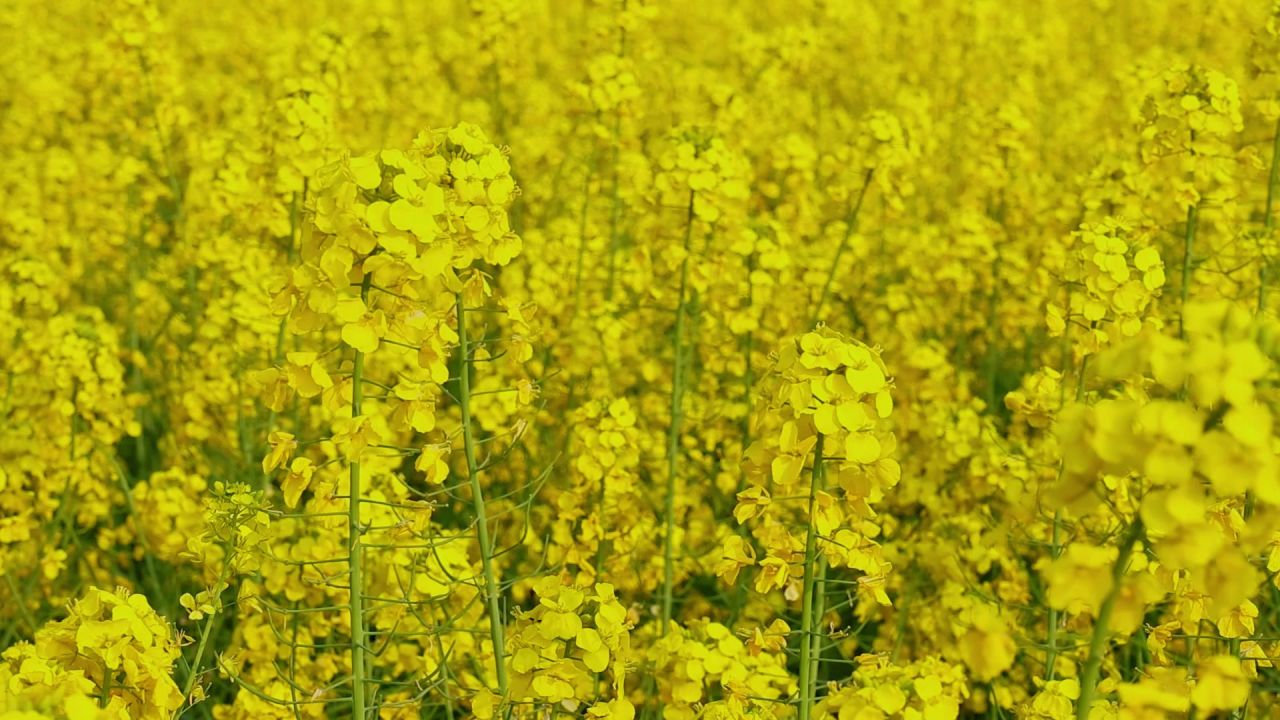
(639, 359)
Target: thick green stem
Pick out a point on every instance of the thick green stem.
(808, 632)
(1102, 625)
(819, 610)
(355, 556)
(491, 589)
(673, 431)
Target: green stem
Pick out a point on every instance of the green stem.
(615, 211)
(1102, 625)
(293, 661)
(582, 241)
(1188, 244)
(491, 589)
(194, 675)
(195, 667)
(1055, 547)
(748, 383)
(850, 224)
(673, 431)
(615, 207)
(20, 600)
(819, 610)
(808, 634)
(602, 549)
(355, 556)
(153, 578)
(278, 355)
(1267, 221)
(444, 677)
(105, 696)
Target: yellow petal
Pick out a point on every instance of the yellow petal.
(360, 336)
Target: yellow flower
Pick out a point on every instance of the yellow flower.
(1080, 579)
(773, 574)
(362, 328)
(986, 646)
(1163, 689)
(353, 435)
(297, 480)
(1220, 684)
(737, 553)
(433, 463)
(283, 446)
(307, 376)
(753, 502)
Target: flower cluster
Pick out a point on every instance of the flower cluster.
(111, 647)
(1112, 277)
(828, 398)
(563, 645)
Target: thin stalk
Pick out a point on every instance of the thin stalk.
(1268, 222)
(615, 207)
(65, 515)
(1188, 244)
(602, 549)
(148, 564)
(1102, 625)
(808, 635)
(615, 211)
(294, 223)
(293, 662)
(1055, 547)
(444, 680)
(209, 620)
(492, 589)
(850, 224)
(20, 601)
(673, 431)
(582, 241)
(355, 555)
(748, 382)
(819, 610)
(135, 351)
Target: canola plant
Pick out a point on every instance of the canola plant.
(510, 359)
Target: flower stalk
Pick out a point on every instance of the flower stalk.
(673, 430)
(355, 554)
(810, 637)
(492, 590)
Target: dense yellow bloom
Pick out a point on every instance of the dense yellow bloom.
(724, 360)
(111, 644)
